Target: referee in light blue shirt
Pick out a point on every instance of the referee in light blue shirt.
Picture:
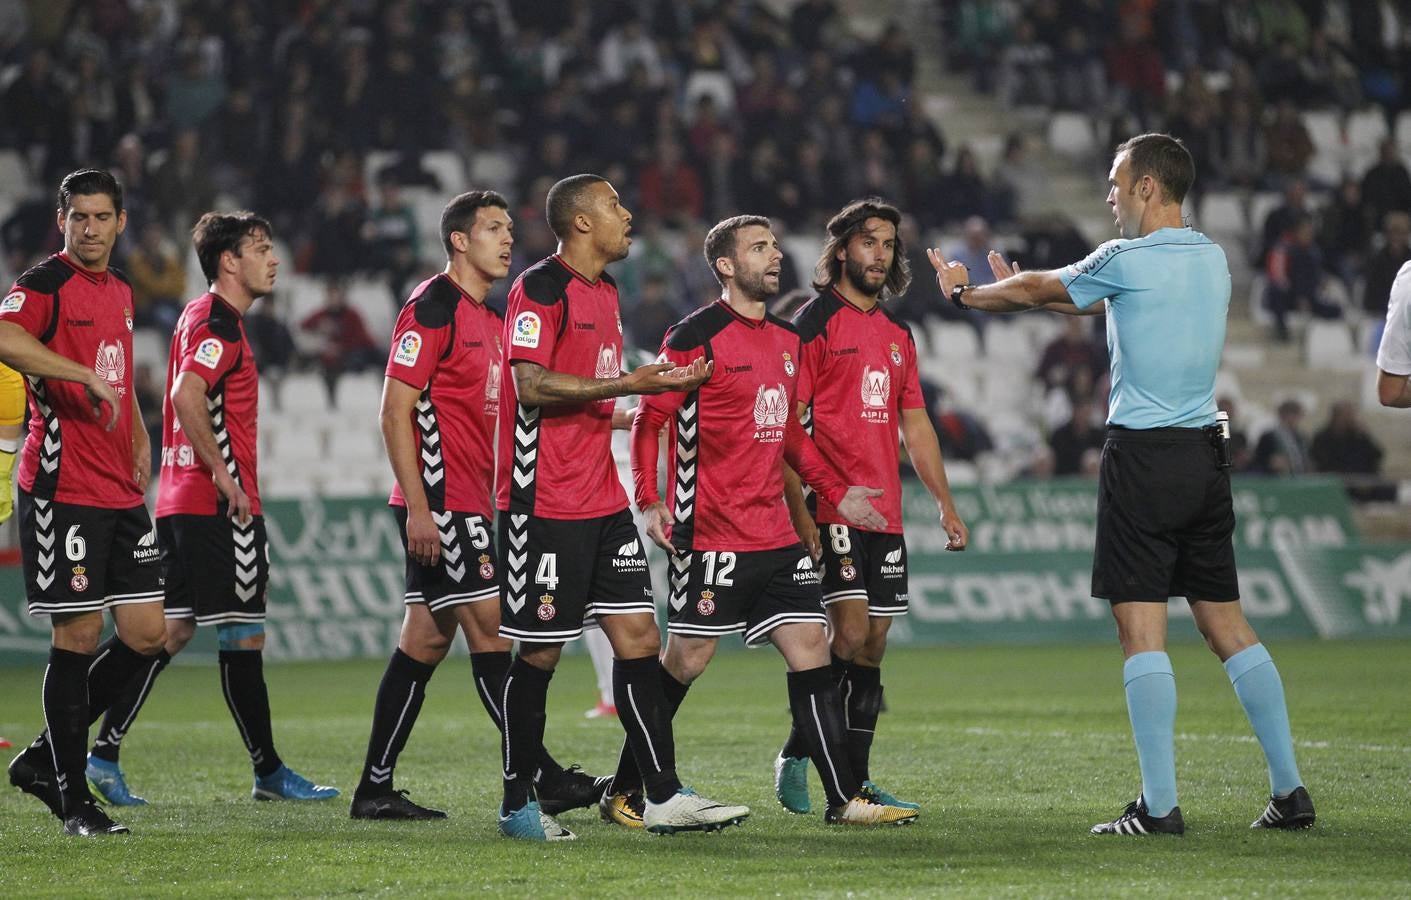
(1165, 520)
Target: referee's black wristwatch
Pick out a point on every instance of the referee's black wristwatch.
(956, 292)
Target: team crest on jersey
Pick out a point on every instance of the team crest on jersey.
(526, 330)
(896, 355)
(209, 353)
(619, 323)
(706, 605)
(12, 302)
(846, 571)
(876, 391)
(789, 365)
(79, 581)
(487, 569)
(111, 365)
(771, 413)
(127, 317)
(546, 609)
(408, 349)
(608, 366)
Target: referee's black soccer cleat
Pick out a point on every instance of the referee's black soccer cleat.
(1292, 812)
(393, 805)
(571, 788)
(1135, 820)
(88, 821)
(38, 781)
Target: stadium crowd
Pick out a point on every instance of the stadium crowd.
(321, 116)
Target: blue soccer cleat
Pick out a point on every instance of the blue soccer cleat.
(529, 823)
(791, 783)
(886, 799)
(108, 782)
(286, 784)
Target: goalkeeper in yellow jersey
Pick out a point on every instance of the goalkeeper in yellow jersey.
(12, 415)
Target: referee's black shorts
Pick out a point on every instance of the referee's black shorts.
(1165, 520)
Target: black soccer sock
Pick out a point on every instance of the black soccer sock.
(488, 670)
(818, 715)
(862, 702)
(522, 743)
(124, 708)
(242, 680)
(109, 670)
(796, 747)
(629, 777)
(646, 717)
(65, 697)
(398, 703)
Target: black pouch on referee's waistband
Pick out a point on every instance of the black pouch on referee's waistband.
(1219, 435)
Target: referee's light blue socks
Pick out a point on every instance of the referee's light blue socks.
(1151, 705)
(1261, 692)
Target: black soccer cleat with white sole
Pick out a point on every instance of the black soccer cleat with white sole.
(571, 788)
(1291, 813)
(89, 821)
(1137, 820)
(38, 781)
(395, 805)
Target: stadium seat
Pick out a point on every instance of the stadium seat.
(294, 445)
(702, 82)
(1070, 134)
(1366, 128)
(1403, 131)
(358, 441)
(359, 395)
(1006, 339)
(1260, 205)
(962, 385)
(1227, 384)
(14, 173)
(962, 471)
(1221, 212)
(345, 484)
(448, 168)
(954, 342)
(372, 298)
(1324, 128)
(1327, 344)
(376, 161)
(150, 346)
(284, 483)
(303, 393)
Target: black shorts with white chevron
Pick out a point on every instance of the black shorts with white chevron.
(466, 571)
(864, 565)
(216, 569)
(718, 592)
(560, 571)
(86, 558)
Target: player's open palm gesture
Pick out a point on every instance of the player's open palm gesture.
(856, 506)
(660, 377)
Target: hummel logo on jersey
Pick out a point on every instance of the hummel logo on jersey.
(894, 556)
(630, 549)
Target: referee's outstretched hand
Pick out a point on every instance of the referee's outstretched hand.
(1000, 268)
(100, 392)
(856, 506)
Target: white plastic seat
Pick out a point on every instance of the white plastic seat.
(954, 342)
(449, 169)
(1071, 134)
(1327, 344)
(359, 394)
(1222, 211)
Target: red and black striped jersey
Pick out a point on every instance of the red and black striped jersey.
(447, 345)
(730, 436)
(858, 372)
(556, 460)
(210, 342)
(87, 317)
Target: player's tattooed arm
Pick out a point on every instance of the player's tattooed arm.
(188, 398)
(538, 386)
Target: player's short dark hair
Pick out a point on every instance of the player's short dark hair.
(720, 241)
(89, 181)
(565, 200)
(851, 221)
(460, 213)
(215, 233)
(1165, 159)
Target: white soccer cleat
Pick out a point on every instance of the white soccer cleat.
(689, 811)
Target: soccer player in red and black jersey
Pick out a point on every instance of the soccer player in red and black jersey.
(87, 541)
(736, 564)
(440, 401)
(209, 520)
(858, 386)
(568, 546)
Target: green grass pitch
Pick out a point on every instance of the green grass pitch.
(1013, 753)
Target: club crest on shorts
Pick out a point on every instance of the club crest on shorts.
(846, 570)
(789, 365)
(546, 609)
(706, 605)
(487, 569)
(79, 581)
(896, 354)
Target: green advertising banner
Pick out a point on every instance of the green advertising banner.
(336, 577)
